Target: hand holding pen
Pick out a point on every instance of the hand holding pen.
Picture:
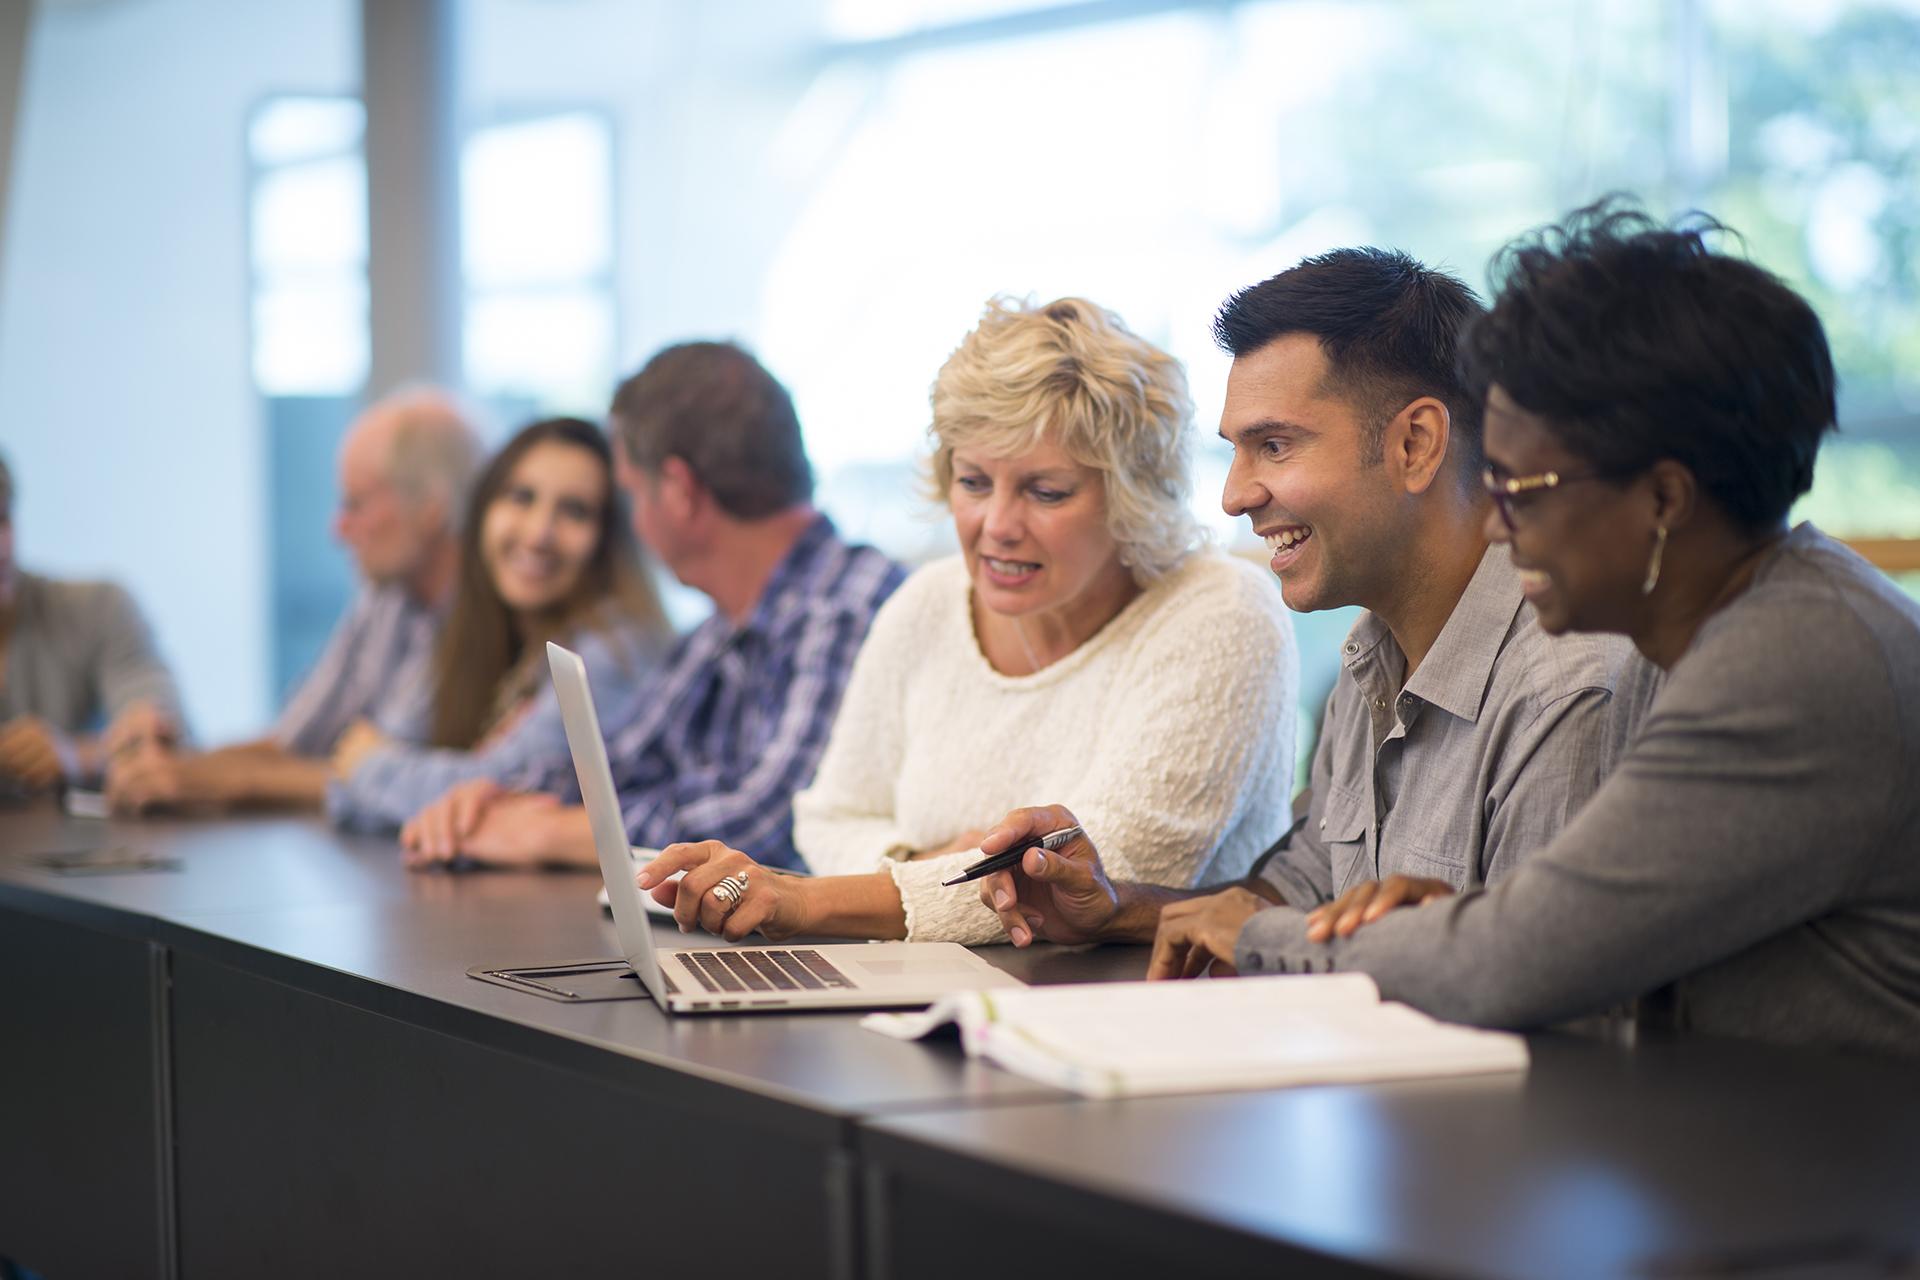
(1057, 892)
(1001, 861)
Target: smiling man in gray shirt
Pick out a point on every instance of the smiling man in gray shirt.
(1752, 867)
(1459, 736)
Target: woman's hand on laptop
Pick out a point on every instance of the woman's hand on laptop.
(772, 903)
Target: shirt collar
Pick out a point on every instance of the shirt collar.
(1459, 667)
(793, 575)
(1457, 670)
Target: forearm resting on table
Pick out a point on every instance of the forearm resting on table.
(260, 773)
(567, 839)
(1137, 918)
(858, 906)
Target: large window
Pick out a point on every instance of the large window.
(537, 239)
(309, 247)
(308, 253)
(1155, 163)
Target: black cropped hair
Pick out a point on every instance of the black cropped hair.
(1636, 341)
(1389, 325)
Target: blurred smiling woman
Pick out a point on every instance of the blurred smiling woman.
(1081, 644)
(545, 555)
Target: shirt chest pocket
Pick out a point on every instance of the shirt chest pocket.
(1435, 844)
(1343, 828)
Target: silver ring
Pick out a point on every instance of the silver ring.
(730, 890)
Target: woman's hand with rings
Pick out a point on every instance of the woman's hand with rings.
(725, 892)
(731, 889)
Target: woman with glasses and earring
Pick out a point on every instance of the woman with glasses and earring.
(1752, 867)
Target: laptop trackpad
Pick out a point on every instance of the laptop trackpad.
(918, 966)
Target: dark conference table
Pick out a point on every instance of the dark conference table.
(270, 1061)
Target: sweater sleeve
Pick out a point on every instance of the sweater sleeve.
(1199, 737)
(844, 823)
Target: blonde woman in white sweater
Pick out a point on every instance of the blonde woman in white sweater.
(1084, 645)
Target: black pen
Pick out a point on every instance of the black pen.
(1001, 861)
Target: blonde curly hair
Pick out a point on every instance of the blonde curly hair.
(1071, 374)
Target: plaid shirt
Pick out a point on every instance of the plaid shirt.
(376, 664)
(714, 747)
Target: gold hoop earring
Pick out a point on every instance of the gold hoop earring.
(1653, 566)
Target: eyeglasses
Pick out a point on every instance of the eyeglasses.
(1504, 489)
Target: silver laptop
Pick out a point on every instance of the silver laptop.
(729, 979)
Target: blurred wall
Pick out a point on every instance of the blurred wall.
(125, 401)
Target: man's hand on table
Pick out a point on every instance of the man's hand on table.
(485, 822)
(1197, 936)
(1365, 903)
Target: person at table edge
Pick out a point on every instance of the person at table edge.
(1459, 736)
(1752, 868)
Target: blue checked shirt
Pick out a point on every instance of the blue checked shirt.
(377, 665)
(716, 745)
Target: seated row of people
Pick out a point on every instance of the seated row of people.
(1751, 866)
(544, 555)
(1082, 643)
(1696, 800)
(406, 467)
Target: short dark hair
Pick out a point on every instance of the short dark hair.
(1390, 327)
(1636, 341)
(714, 406)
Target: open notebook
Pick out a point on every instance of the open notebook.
(1113, 1040)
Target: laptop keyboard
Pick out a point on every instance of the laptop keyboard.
(764, 970)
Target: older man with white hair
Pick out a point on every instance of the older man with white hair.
(405, 467)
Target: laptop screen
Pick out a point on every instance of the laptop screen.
(589, 752)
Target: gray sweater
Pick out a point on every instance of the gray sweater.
(79, 654)
(1752, 867)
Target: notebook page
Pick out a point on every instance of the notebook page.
(1132, 1038)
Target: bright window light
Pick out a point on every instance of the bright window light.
(291, 129)
(536, 203)
(310, 339)
(554, 347)
(311, 217)
(878, 19)
(307, 244)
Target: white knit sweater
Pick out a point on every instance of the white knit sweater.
(1169, 734)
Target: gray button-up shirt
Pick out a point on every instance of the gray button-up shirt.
(79, 654)
(1758, 847)
(1479, 759)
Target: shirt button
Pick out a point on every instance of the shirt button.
(1379, 704)
(1351, 647)
(1323, 824)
